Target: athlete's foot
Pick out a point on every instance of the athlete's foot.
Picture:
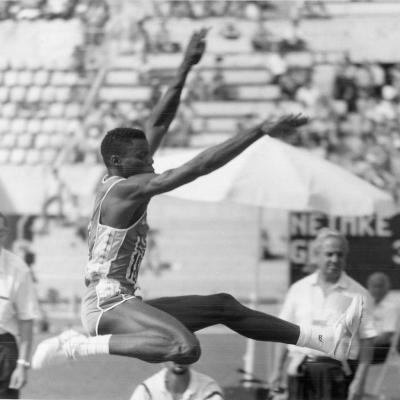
(56, 350)
(346, 329)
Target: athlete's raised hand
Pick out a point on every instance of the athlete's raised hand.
(284, 126)
(196, 46)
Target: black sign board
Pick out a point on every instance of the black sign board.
(374, 244)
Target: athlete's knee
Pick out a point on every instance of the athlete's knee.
(227, 303)
(186, 349)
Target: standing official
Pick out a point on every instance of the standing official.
(316, 299)
(18, 309)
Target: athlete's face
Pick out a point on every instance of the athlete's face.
(331, 259)
(136, 160)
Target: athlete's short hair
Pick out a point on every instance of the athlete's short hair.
(115, 141)
(325, 233)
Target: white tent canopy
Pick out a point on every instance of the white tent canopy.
(273, 174)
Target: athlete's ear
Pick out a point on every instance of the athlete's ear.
(115, 160)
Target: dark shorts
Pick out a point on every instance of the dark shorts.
(92, 310)
(8, 362)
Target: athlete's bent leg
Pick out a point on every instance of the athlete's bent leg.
(142, 331)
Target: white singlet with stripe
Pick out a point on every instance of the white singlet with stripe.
(114, 254)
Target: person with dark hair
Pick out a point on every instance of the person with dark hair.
(178, 381)
(18, 309)
(161, 330)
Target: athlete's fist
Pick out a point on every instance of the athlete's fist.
(284, 126)
(196, 47)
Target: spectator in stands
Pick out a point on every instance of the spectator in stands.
(309, 95)
(60, 8)
(385, 313)
(276, 63)
(230, 30)
(162, 41)
(95, 18)
(263, 39)
(220, 90)
(18, 310)
(181, 127)
(178, 381)
(345, 87)
(378, 77)
(198, 88)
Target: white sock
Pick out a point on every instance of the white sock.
(316, 337)
(81, 346)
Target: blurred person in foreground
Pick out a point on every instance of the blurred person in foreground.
(18, 309)
(316, 299)
(385, 313)
(116, 317)
(178, 381)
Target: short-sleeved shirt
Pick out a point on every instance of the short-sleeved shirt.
(306, 303)
(386, 315)
(18, 299)
(201, 387)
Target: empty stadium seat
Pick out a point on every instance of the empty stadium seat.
(73, 110)
(41, 140)
(25, 78)
(119, 93)
(41, 77)
(56, 110)
(49, 155)
(9, 110)
(33, 156)
(4, 154)
(232, 108)
(56, 140)
(24, 140)
(266, 92)
(34, 94)
(17, 93)
(72, 126)
(62, 94)
(10, 78)
(4, 125)
(49, 125)
(4, 94)
(122, 77)
(215, 124)
(33, 126)
(17, 156)
(18, 125)
(48, 94)
(8, 140)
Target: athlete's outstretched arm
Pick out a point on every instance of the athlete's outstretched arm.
(140, 188)
(165, 110)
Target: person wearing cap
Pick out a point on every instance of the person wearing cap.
(178, 381)
(18, 309)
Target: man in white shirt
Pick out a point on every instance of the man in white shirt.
(18, 309)
(178, 382)
(316, 299)
(385, 313)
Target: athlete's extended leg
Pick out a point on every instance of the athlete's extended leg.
(198, 312)
(142, 331)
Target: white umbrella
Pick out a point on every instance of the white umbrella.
(273, 174)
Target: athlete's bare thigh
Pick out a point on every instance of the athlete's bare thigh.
(136, 316)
